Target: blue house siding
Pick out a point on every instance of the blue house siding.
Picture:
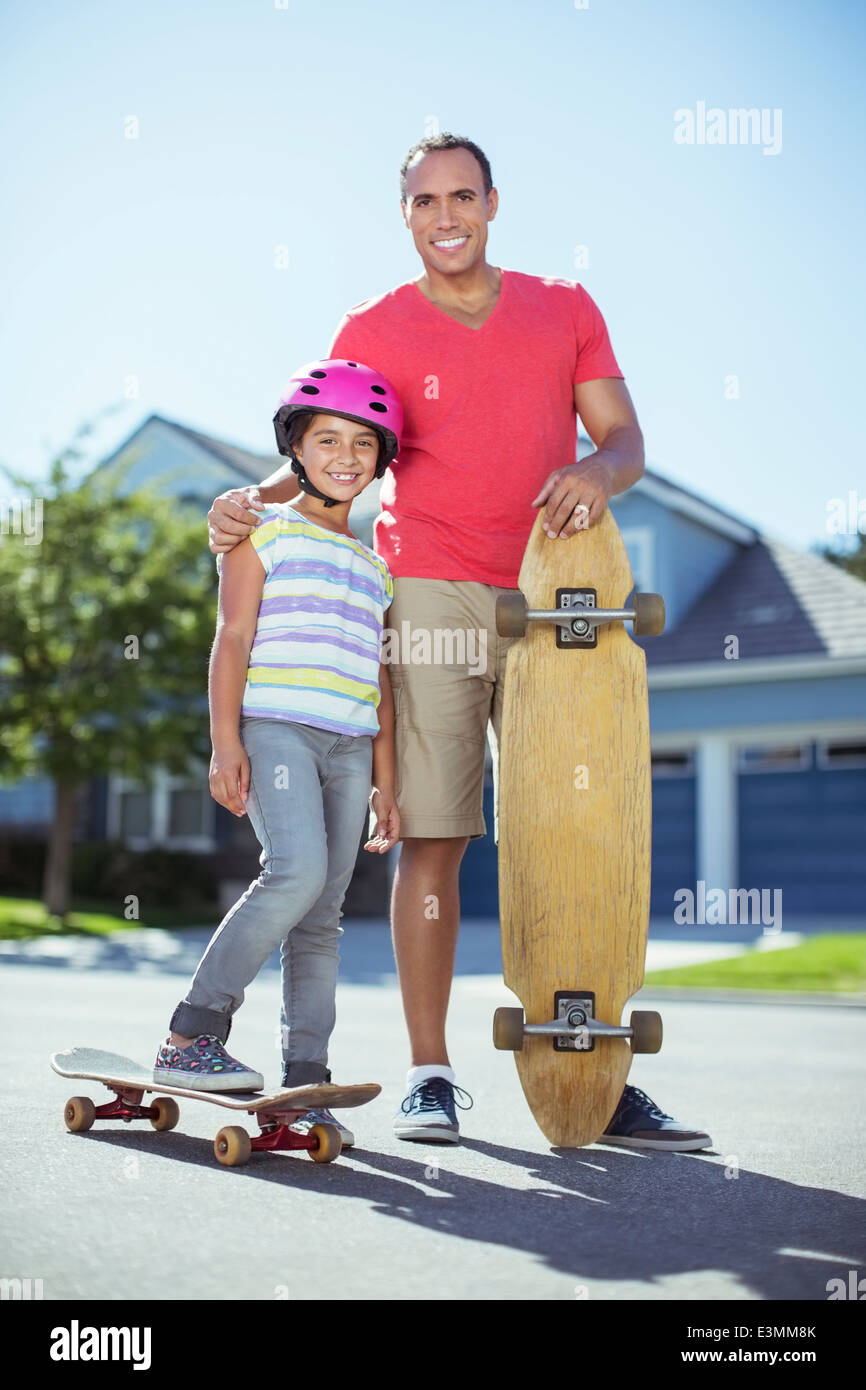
(27, 803)
(804, 832)
(741, 703)
(688, 556)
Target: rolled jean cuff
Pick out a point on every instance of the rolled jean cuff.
(191, 1022)
(305, 1073)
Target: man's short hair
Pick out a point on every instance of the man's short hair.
(446, 141)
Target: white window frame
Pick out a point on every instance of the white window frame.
(160, 812)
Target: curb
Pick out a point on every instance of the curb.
(750, 996)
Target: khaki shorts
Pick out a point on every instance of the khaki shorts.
(447, 669)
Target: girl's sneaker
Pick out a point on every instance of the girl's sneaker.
(204, 1066)
(323, 1117)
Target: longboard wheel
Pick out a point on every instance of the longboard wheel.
(647, 1035)
(79, 1114)
(232, 1146)
(167, 1113)
(508, 1030)
(649, 615)
(511, 610)
(329, 1143)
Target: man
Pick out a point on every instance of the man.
(491, 366)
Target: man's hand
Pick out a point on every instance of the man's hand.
(232, 518)
(229, 777)
(576, 496)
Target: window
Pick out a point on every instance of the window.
(186, 813)
(178, 812)
(673, 764)
(784, 757)
(639, 541)
(842, 753)
(135, 815)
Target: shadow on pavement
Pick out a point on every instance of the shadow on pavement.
(601, 1214)
(366, 955)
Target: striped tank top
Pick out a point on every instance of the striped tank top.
(315, 655)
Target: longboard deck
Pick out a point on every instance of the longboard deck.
(109, 1068)
(574, 842)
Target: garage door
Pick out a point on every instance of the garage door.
(802, 817)
(673, 830)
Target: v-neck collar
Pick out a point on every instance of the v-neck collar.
(465, 326)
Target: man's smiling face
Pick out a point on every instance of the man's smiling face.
(447, 210)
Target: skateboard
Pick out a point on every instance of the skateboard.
(233, 1145)
(574, 827)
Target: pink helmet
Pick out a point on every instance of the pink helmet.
(350, 389)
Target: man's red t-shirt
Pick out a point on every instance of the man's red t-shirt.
(488, 414)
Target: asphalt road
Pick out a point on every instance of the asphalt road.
(773, 1212)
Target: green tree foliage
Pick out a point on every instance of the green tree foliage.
(106, 623)
(852, 560)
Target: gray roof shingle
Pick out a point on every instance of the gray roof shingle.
(777, 602)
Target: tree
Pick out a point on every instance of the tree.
(105, 627)
(852, 560)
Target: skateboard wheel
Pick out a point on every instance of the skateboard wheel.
(232, 1146)
(79, 1114)
(649, 615)
(508, 1030)
(647, 1034)
(329, 1143)
(511, 610)
(167, 1113)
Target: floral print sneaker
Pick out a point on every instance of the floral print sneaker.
(204, 1066)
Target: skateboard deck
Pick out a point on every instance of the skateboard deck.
(574, 831)
(276, 1111)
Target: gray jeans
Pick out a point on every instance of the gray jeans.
(308, 806)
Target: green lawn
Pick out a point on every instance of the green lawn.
(828, 964)
(26, 917)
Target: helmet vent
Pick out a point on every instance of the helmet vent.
(310, 390)
(318, 373)
(377, 405)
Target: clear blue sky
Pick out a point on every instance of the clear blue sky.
(263, 126)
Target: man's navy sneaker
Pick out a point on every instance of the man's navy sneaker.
(639, 1124)
(429, 1112)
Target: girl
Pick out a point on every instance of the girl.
(301, 713)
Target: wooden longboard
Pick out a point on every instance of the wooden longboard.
(276, 1111)
(574, 829)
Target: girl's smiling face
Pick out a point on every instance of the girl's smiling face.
(339, 455)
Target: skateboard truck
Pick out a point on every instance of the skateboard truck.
(575, 1027)
(513, 615)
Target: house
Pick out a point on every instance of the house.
(757, 707)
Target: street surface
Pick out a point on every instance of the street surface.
(773, 1212)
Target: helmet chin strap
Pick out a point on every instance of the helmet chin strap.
(310, 488)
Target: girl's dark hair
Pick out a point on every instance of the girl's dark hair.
(446, 141)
